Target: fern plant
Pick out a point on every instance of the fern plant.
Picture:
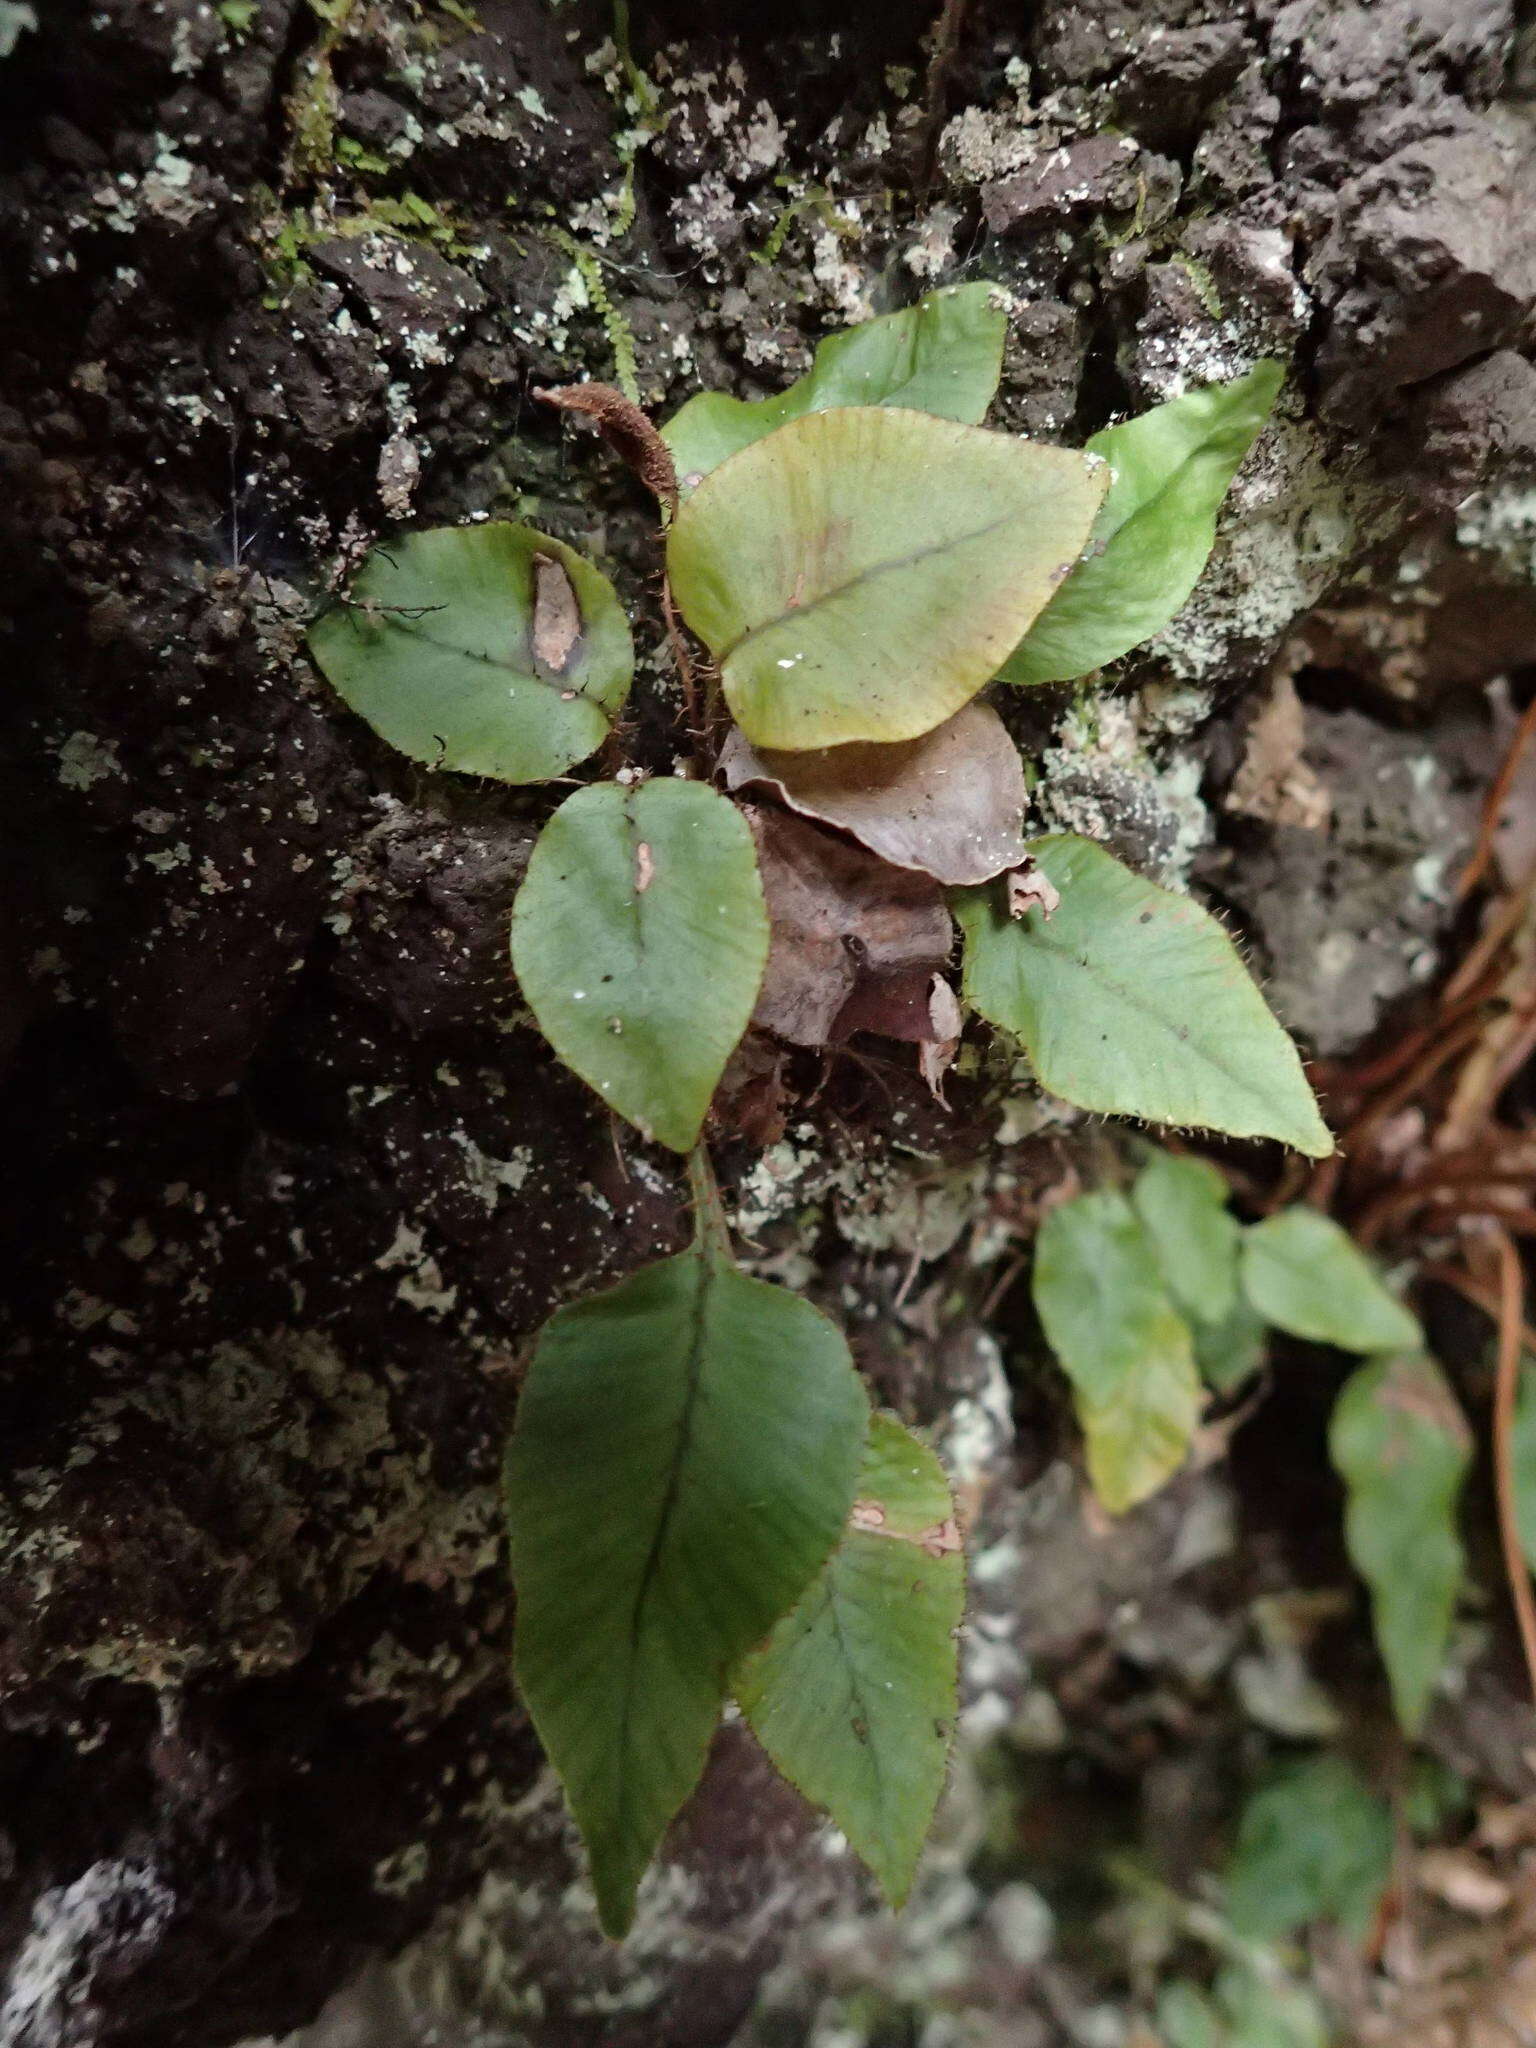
(701, 1505)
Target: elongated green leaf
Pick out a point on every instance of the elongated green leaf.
(1132, 1000)
(1303, 1274)
(1121, 1342)
(853, 1695)
(1314, 1843)
(1182, 1203)
(859, 574)
(639, 937)
(944, 355)
(1172, 467)
(1401, 1446)
(684, 1460)
(490, 649)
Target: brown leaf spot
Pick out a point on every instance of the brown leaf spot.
(1028, 889)
(556, 614)
(939, 1539)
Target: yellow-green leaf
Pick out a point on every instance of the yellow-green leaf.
(853, 1694)
(684, 1461)
(1132, 1001)
(493, 650)
(859, 574)
(639, 936)
(1305, 1275)
(1121, 1342)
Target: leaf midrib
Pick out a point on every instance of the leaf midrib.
(861, 1706)
(886, 567)
(1167, 487)
(694, 1374)
(491, 661)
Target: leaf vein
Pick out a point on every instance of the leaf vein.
(890, 565)
(1138, 1003)
(858, 1701)
(649, 1571)
(564, 690)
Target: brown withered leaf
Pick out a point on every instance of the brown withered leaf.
(843, 923)
(916, 1004)
(753, 1098)
(897, 1005)
(950, 804)
(937, 1054)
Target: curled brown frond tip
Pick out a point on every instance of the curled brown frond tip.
(626, 429)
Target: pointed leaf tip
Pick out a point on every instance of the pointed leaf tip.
(683, 1462)
(1131, 1000)
(1306, 1275)
(1172, 469)
(854, 1694)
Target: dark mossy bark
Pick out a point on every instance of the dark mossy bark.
(289, 1179)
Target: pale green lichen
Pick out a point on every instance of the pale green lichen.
(1292, 521)
(299, 1440)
